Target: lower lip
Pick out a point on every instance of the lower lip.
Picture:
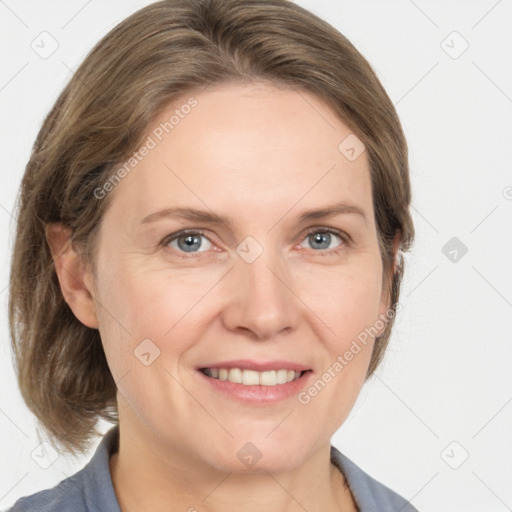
(258, 394)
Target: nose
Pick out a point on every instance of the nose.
(261, 298)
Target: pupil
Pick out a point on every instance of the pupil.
(189, 242)
(323, 239)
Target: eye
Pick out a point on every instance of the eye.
(325, 240)
(322, 240)
(188, 242)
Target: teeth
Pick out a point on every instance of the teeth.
(268, 378)
(235, 375)
(251, 377)
(282, 375)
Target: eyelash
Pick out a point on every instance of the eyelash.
(345, 238)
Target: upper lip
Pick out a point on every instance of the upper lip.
(258, 366)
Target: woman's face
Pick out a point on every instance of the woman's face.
(279, 270)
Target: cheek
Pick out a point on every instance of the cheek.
(145, 328)
(162, 303)
(141, 304)
(346, 300)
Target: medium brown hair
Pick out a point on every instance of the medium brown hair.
(153, 57)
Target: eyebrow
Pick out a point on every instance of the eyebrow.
(212, 218)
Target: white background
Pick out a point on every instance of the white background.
(447, 373)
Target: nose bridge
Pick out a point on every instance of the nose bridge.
(265, 277)
(261, 301)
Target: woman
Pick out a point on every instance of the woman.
(211, 227)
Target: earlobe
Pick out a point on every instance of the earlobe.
(72, 274)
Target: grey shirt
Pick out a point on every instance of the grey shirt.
(91, 489)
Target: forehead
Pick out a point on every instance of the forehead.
(238, 148)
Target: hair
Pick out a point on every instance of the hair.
(150, 59)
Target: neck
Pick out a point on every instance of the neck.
(179, 482)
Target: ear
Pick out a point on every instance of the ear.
(74, 279)
(386, 286)
(396, 245)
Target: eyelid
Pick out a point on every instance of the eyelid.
(345, 237)
(172, 236)
(346, 240)
(325, 229)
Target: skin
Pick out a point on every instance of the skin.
(260, 156)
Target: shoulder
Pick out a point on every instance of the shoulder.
(68, 495)
(369, 494)
(88, 490)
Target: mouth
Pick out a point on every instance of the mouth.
(255, 382)
(253, 377)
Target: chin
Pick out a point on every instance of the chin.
(256, 455)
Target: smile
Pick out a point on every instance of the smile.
(252, 377)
